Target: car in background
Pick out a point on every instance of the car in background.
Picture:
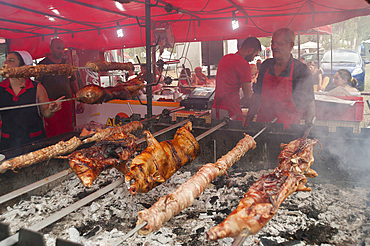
(312, 57)
(344, 59)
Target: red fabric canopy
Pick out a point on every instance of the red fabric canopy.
(91, 24)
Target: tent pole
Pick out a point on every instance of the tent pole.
(318, 50)
(331, 56)
(148, 36)
(299, 45)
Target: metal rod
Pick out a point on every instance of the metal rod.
(23, 190)
(239, 240)
(263, 129)
(58, 215)
(130, 233)
(169, 112)
(216, 127)
(129, 106)
(37, 104)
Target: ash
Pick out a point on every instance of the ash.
(329, 215)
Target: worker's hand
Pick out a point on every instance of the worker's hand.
(54, 107)
(80, 108)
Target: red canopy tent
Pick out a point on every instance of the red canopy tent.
(92, 24)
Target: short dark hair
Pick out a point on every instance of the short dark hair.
(251, 42)
(20, 58)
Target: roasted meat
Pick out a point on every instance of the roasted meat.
(93, 94)
(170, 205)
(113, 148)
(159, 161)
(264, 197)
(113, 151)
(36, 71)
(61, 148)
(101, 66)
(106, 133)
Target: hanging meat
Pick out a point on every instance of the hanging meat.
(159, 161)
(93, 94)
(114, 151)
(37, 71)
(170, 205)
(264, 197)
(102, 66)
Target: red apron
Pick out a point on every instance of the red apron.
(231, 103)
(61, 121)
(277, 100)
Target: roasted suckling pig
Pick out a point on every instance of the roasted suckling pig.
(170, 205)
(61, 148)
(159, 161)
(36, 71)
(264, 197)
(101, 66)
(93, 94)
(113, 151)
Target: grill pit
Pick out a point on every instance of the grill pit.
(329, 215)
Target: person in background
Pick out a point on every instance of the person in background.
(184, 81)
(344, 84)
(198, 78)
(57, 86)
(24, 125)
(233, 73)
(303, 60)
(254, 74)
(156, 89)
(258, 63)
(316, 74)
(284, 88)
(131, 73)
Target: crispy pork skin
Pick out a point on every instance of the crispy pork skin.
(264, 197)
(106, 133)
(159, 161)
(22, 161)
(114, 151)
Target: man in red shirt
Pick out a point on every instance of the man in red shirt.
(233, 73)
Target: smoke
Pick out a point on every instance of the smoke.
(345, 157)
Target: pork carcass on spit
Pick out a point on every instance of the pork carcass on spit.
(114, 148)
(93, 94)
(264, 197)
(172, 204)
(159, 161)
(114, 151)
